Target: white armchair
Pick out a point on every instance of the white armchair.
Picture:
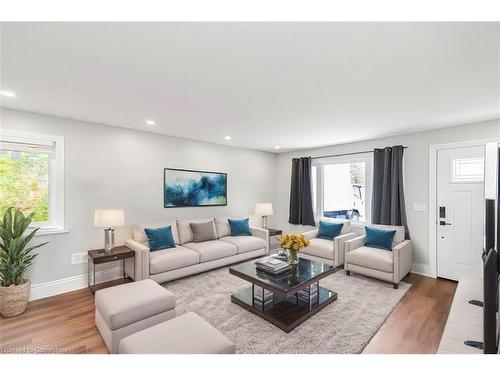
(326, 251)
(381, 264)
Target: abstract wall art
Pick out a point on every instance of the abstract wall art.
(188, 188)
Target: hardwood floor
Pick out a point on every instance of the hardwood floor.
(417, 322)
(65, 323)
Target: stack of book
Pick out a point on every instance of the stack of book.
(309, 296)
(263, 298)
(272, 265)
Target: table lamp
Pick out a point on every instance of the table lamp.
(264, 210)
(108, 219)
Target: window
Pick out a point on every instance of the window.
(31, 177)
(467, 170)
(342, 188)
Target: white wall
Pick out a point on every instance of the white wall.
(111, 167)
(416, 165)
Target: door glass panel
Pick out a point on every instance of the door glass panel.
(467, 170)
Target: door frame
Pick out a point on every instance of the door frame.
(433, 152)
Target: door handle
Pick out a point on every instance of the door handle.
(442, 222)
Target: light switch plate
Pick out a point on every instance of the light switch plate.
(419, 207)
(79, 258)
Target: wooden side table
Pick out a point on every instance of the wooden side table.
(274, 233)
(99, 256)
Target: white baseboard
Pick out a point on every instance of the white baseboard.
(51, 288)
(421, 269)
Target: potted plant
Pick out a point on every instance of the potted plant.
(293, 243)
(15, 258)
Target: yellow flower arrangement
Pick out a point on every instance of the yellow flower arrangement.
(294, 242)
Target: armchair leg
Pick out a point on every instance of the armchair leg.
(347, 273)
(395, 286)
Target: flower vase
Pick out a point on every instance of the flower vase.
(293, 257)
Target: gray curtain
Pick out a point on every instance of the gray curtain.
(301, 208)
(388, 198)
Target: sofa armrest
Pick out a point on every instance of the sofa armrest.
(339, 247)
(356, 242)
(140, 270)
(261, 233)
(311, 234)
(402, 260)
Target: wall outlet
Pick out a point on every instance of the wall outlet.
(79, 258)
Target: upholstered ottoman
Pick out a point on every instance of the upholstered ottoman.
(125, 309)
(186, 334)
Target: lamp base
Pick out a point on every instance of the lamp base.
(109, 239)
(264, 222)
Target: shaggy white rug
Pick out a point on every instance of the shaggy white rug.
(345, 326)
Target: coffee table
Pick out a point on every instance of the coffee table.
(284, 309)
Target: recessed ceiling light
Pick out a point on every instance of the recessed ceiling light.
(227, 138)
(277, 147)
(8, 94)
(150, 122)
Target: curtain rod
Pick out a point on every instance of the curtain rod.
(346, 154)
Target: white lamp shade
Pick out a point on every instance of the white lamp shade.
(109, 218)
(264, 209)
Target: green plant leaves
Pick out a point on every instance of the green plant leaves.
(15, 255)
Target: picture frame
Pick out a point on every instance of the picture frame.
(193, 188)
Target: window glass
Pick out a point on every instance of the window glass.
(467, 170)
(24, 182)
(344, 191)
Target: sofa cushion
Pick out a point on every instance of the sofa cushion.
(203, 231)
(186, 334)
(140, 235)
(160, 238)
(346, 228)
(125, 304)
(239, 227)
(319, 247)
(184, 229)
(222, 227)
(371, 257)
(211, 250)
(171, 259)
(379, 238)
(400, 232)
(245, 243)
(328, 230)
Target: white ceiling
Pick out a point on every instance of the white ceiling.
(296, 85)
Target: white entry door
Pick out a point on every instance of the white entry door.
(460, 212)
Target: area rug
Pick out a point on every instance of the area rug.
(345, 326)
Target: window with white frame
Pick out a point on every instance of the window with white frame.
(32, 176)
(342, 187)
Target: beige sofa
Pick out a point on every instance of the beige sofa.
(189, 257)
(380, 264)
(326, 251)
